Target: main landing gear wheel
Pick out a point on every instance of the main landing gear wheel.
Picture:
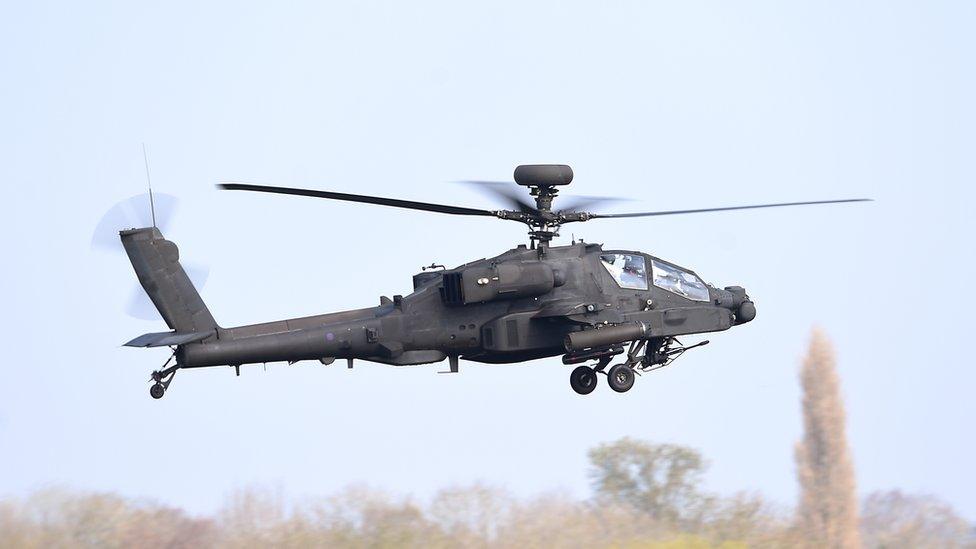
(157, 391)
(621, 378)
(583, 380)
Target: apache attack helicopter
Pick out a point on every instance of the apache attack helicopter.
(580, 301)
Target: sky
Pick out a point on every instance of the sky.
(674, 105)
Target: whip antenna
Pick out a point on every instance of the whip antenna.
(152, 206)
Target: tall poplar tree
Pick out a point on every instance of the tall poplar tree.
(827, 510)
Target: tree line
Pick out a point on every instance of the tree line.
(645, 495)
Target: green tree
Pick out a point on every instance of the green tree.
(660, 480)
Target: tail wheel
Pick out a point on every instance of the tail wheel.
(621, 378)
(583, 380)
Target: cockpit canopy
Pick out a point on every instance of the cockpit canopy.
(678, 281)
(629, 270)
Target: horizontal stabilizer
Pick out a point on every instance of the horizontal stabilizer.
(167, 339)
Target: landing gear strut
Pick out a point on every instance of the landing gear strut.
(162, 378)
(667, 351)
(644, 355)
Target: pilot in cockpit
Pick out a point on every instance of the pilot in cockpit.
(633, 272)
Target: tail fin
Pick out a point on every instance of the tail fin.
(157, 264)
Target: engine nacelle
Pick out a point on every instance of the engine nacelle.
(516, 280)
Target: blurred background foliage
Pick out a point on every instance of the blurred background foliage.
(644, 495)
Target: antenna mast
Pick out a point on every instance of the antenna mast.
(152, 206)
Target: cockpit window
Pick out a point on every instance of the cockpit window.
(627, 269)
(678, 281)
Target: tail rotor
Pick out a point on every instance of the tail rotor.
(133, 212)
(136, 212)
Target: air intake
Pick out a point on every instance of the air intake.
(451, 290)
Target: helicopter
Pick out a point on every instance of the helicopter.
(590, 305)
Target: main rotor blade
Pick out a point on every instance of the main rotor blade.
(505, 191)
(580, 203)
(396, 203)
(729, 208)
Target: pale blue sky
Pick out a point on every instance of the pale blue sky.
(674, 104)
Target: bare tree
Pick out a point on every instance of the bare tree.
(558, 521)
(16, 530)
(827, 510)
(894, 520)
(472, 516)
(252, 518)
(60, 518)
(747, 518)
(364, 517)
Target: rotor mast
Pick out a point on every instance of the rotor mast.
(543, 181)
(542, 226)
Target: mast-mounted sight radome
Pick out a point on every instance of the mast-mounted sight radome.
(543, 175)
